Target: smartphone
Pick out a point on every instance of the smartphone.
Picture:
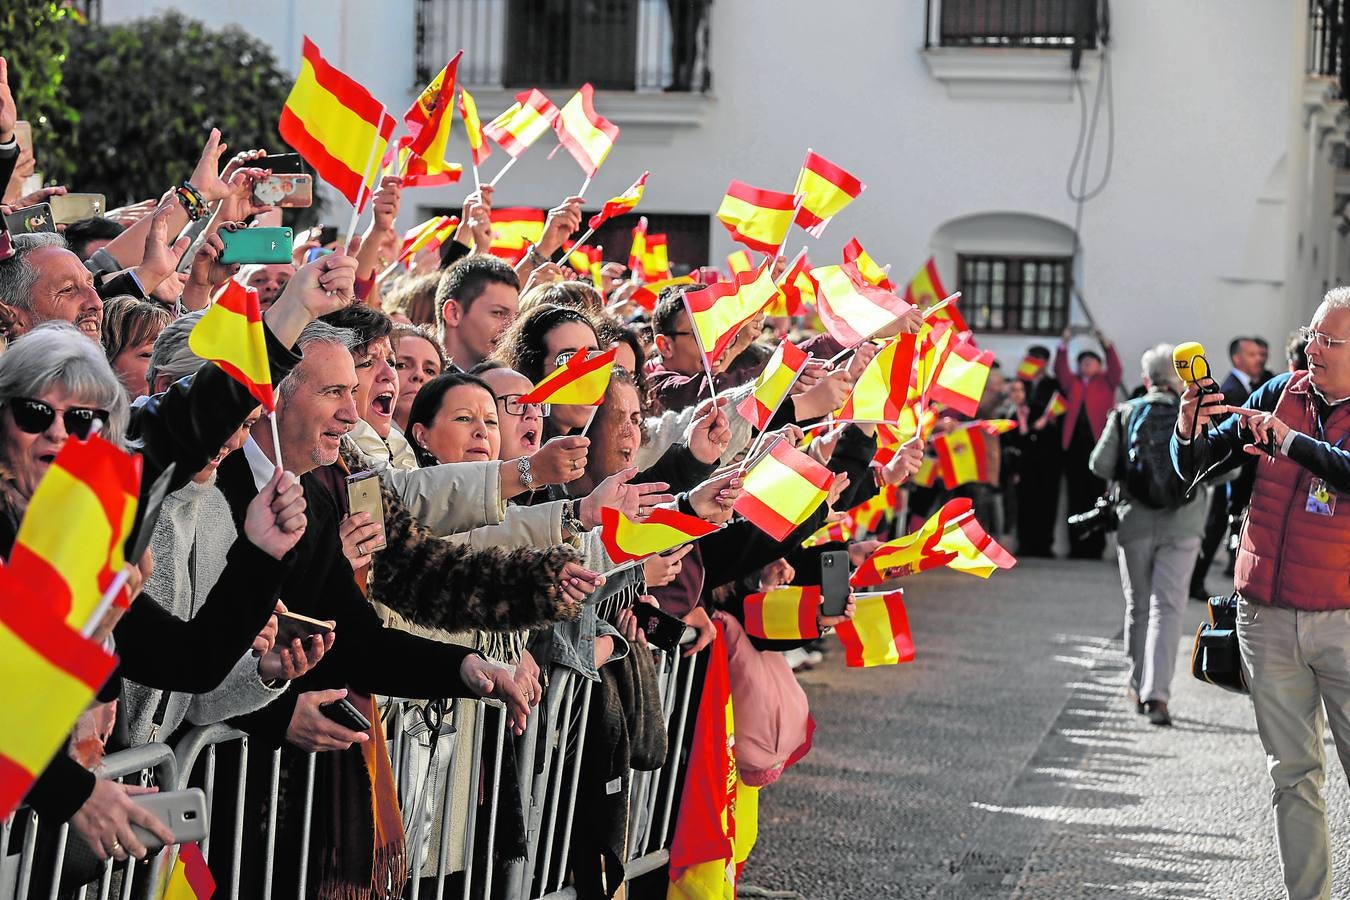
(67, 208)
(184, 812)
(327, 235)
(284, 190)
(31, 219)
(363, 495)
(834, 588)
(663, 630)
(293, 625)
(342, 712)
(23, 133)
(282, 163)
(256, 245)
(316, 252)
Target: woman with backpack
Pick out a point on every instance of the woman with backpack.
(1159, 533)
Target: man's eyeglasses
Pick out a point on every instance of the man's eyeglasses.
(1325, 341)
(513, 407)
(35, 417)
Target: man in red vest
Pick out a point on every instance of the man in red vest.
(1292, 572)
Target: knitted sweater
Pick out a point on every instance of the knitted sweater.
(192, 537)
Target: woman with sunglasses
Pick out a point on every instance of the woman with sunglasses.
(56, 385)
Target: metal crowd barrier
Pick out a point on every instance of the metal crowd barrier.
(548, 763)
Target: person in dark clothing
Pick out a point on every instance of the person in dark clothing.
(1089, 396)
(1041, 464)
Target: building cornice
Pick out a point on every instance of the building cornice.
(1008, 73)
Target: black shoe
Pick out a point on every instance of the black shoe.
(1157, 712)
(1132, 696)
(1199, 594)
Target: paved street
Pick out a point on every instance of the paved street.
(1004, 762)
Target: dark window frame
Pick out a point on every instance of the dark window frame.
(1048, 24)
(994, 303)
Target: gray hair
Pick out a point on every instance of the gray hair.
(317, 332)
(18, 275)
(172, 356)
(1336, 298)
(1158, 368)
(58, 353)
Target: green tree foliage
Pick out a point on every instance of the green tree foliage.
(34, 40)
(149, 92)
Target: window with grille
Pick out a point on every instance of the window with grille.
(1015, 294)
(1015, 23)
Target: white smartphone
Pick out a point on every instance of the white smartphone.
(183, 812)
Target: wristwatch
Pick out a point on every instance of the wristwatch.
(523, 466)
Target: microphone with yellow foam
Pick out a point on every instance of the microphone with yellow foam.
(1192, 368)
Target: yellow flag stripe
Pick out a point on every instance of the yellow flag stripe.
(823, 197)
(783, 488)
(862, 315)
(40, 701)
(768, 226)
(872, 622)
(782, 618)
(343, 133)
(76, 547)
(223, 334)
(594, 141)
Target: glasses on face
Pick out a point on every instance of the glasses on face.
(35, 417)
(513, 407)
(1325, 341)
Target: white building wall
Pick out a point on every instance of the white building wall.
(1191, 238)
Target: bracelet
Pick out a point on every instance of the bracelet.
(192, 200)
(536, 258)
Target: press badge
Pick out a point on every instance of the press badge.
(1321, 499)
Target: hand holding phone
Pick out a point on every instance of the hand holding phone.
(267, 246)
(345, 714)
(834, 588)
(182, 812)
(662, 630)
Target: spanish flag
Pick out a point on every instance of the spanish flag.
(581, 257)
(783, 614)
(622, 204)
(664, 529)
(49, 673)
(655, 261)
(514, 229)
(739, 261)
(1030, 367)
(876, 510)
(951, 537)
(925, 288)
(431, 234)
(639, 247)
(928, 473)
(833, 533)
(881, 391)
(795, 289)
(853, 311)
(867, 268)
(231, 335)
(963, 456)
(586, 134)
(717, 312)
(773, 384)
(1056, 407)
(428, 119)
(473, 127)
(782, 489)
(757, 218)
(335, 124)
(825, 189)
(648, 294)
(581, 381)
(961, 376)
(426, 171)
(878, 634)
(527, 120)
(190, 878)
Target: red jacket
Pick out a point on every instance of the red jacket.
(1098, 394)
(1288, 556)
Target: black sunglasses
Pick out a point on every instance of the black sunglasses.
(35, 417)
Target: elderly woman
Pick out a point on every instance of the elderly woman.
(54, 385)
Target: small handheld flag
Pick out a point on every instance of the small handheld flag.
(774, 383)
(951, 537)
(665, 529)
(878, 634)
(581, 381)
(231, 335)
(825, 189)
(586, 134)
(717, 312)
(783, 613)
(782, 489)
(757, 218)
(620, 205)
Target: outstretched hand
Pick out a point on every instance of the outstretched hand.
(9, 112)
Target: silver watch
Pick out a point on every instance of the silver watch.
(523, 466)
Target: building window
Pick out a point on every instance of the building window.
(1015, 294)
(1014, 23)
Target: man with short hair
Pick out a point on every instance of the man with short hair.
(42, 282)
(268, 280)
(87, 236)
(1293, 554)
(477, 299)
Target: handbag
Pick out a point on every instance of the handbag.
(1216, 657)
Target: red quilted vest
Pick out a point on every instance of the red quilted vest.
(1288, 556)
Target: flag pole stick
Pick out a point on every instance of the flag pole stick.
(786, 396)
(584, 185)
(624, 566)
(276, 438)
(590, 421)
(364, 192)
(868, 595)
(703, 354)
(511, 162)
(106, 601)
(477, 185)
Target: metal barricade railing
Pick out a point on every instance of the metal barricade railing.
(17, 870)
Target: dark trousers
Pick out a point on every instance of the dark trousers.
(1216, 529)
(1038, 494)
(1084, 489)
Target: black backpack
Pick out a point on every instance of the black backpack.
(1146, 471)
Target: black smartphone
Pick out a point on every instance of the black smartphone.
(293, 625)
(31, 220)
(342, 712)
(282, 164)
(663, 630)
(834, 588)
(327, 235)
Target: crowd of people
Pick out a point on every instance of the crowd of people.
(485, 570)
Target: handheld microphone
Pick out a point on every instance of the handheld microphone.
(1191, 366)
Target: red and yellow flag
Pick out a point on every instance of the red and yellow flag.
(1030, 367)
(655, 263)
(190, 878)
(876, 510)
(961, 376)
(639, 247)
(963, 456)
(429, 235)
(825, 189)
(586, 134)
(649, 293)
(430, 170)
(782, 489)
(1056, 407)
(925, 288)
(664, 529)
(526, 121)
(757, 218)
(951, 537)
(336, 125)
(773, 384)
(795, 289)
(622, 204)
(717, 312)
(783, 614)
(928, 473)
(878, 634)
(739, 261)
(428, 119)
(231, 335)
(49, 673)
(473, 127)
(881, 391)
(866, 267)
(851, 310)
(581, 381)
(514, 229)
(833, 533)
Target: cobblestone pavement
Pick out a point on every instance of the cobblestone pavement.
(1004, 762)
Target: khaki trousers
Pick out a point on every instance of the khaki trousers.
(1298, 664)
(1154, 574)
